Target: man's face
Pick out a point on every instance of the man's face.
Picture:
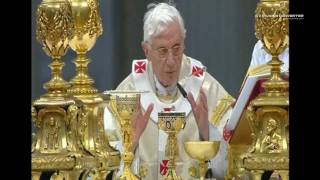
(271, 126)
(165, 54)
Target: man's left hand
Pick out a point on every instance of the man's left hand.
(200, 111)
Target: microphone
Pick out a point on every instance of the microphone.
(182, 91)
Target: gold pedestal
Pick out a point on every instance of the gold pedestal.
(55, 144)
(261, 140)
(92, 135)
(267, 114)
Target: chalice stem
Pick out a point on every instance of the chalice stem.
(275, 68)
(172, 154)
(82, 64)
(202, 170)
(56, 85)
(56, 67)
(128, 155)
(82, 79)
(172, 140)
(127, 174)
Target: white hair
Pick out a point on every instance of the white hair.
(157, 19)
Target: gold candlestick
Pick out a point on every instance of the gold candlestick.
(171, 123)
(55, 146)
(267, 114)
(202, 151)
(54, 29)
(88, 28)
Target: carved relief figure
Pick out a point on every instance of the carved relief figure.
(271, 140)
(251, 117)
(52, 127)
(83, 121)
(34, 120)
(72, 124)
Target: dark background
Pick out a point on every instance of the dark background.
(220, 33)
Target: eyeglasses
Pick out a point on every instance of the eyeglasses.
(163, 53)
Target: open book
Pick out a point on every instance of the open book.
(245, 93)
(249, 90)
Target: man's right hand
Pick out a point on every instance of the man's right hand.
(140, 123)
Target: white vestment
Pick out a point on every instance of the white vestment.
(149, 154)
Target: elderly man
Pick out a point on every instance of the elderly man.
(165, 66)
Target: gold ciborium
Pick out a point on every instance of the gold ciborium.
(88, 27)
(54, 30)
(272, 29)
(202, 151)
(171, 123)
(124, 105)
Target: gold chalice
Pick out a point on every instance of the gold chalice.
(202, 151)
(124, 105)
(171, 123)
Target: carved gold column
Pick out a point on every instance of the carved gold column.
(55, 146)
(267, 114)
(88, 28)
